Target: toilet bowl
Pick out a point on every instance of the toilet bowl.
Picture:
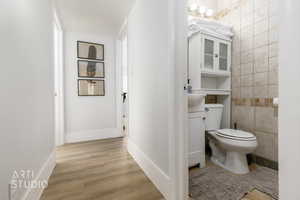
(229, 146)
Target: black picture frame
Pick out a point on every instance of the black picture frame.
(89, 61)
(87, 57)
(86, 95)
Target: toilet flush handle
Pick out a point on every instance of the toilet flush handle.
(206, 109)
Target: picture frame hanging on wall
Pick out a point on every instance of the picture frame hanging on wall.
(91, 87)
(90, 51)
(90, 69)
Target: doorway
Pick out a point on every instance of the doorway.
(124, 84)
(218, 65)
(122, 81)
(58, 82)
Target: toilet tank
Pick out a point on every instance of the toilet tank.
(213, 116)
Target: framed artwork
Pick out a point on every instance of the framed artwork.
(91, 51)
(91, 87)
(91, 69)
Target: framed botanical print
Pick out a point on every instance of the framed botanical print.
(91, 51)
(91, 69)
(91, 87)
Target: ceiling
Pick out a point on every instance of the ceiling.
(93, 16)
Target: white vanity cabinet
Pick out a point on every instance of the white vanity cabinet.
(215, 54)
(197, 139)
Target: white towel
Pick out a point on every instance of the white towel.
(209, 26)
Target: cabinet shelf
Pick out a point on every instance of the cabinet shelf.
(213, 74)
(209, 91)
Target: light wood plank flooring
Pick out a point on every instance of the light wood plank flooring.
(98, 170)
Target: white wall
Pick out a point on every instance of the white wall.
(148, 83)
(289, 97)
(150, 89)
(89, 118)
(26, 85)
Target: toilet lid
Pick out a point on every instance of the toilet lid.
(235, 134)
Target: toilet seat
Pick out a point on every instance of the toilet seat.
(235, 135)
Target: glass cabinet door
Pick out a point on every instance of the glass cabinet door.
(209, 54)
(223, 56)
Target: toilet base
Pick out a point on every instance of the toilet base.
(234, 162)
(237, 163)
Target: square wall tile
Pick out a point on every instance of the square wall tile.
(247, 57)
(261, 79)
(247, 44)
(236, 58)
(236, 81)
(260, 13)
(247, 38)
(273, 50)
(261, 26)
(258, 4)
(247, 80)
(260, 91)
(247, 8)
(261, 66)
(273, 77)
(235, 114)
(273, 91)
(265, 120)
(273, 63)
(247, 32)
(236, 92)
(261, 39)
(236, 70)
(246, 92)
(236, 44)
(236, 24)
(247, 21)
(247, 68)
(266, 145)
(261, 53)
(245, 118)
(261, 59)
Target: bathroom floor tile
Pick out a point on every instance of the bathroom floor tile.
(216, 183)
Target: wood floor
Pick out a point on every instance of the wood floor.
(98, 170)
(257, 195)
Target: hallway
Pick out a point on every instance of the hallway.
(101, 170)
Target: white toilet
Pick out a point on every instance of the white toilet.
(229, 146)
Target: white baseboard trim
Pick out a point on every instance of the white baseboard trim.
(154, 173)
(43, 175)
(88, 135)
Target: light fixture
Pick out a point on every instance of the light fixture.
(202, 10)
(193, 7)
(209, 12)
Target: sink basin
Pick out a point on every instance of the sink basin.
(195, 101)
